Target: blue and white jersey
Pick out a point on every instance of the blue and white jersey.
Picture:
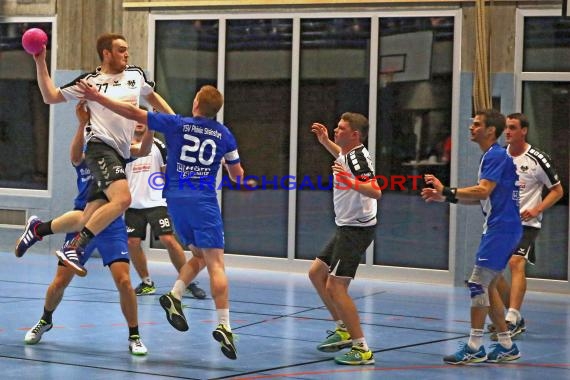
(501, 208)
(196, 146)
(84, 178)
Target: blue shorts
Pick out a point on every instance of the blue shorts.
(496, 248)
(197, 220)
(111, 243)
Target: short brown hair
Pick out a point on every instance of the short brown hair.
(493, 118)
(210, 101)
(523, 120)
(358, 122)
(105, 41)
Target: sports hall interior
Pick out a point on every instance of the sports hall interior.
(416, 69)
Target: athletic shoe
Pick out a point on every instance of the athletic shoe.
(136, 346)
(226, 339)
(515, 329)
(465, 355)
(174, 313)
(336, 341)
(501, 354)
(196, 291)
(71, 258)
(34, 335)
(28, 237)
(356, 356)
(145, 289)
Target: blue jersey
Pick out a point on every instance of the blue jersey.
(196, 146)
(112, 241)
(501, 209)
(84, 178)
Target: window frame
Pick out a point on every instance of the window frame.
(34, 192)
(538, 284)
(368, 269)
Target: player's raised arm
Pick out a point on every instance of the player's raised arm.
(124, 109)
(50, 93)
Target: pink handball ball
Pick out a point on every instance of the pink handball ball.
(33, 40)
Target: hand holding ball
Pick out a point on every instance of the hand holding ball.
(34, 40)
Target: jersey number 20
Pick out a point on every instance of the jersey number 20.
(194, 145)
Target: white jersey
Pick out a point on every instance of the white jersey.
(535, 171)
(145, 194)
(107, 126)
(350, 207)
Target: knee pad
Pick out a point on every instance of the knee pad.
(478, 293)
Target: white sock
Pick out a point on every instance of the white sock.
(360, 343)
(513, 316)
(224, 318)
(475, 339)
(147, 280)
(340, 325)
(178, 289)
(504, 339)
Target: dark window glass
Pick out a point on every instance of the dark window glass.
(413, 138)
(334, 78)
(24, 118)
(547, 106)
(186, 58)
(257, 110)
(546, 44)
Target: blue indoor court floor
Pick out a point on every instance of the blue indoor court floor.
(278, 319)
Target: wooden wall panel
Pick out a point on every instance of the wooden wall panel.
(503, 22)
(502, 42)
(29, 8)
(70, 43)
(80, 22)
(135, 29)
(468, 40)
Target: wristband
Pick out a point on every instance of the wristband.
(449, 194)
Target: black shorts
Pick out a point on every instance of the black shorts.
(106, 166)
(526, 245)
(157, 217)
(345, 250)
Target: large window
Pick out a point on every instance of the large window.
(544, 98)
(334, 78)
(258, 111)
(24, 118)
(279, 73)
(415, 58)
(186, 56)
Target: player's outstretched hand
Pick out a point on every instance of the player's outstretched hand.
(321, 132)
(431, 195)
(87, 91)
(433, 182)
(82, 112)
(41, 56)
